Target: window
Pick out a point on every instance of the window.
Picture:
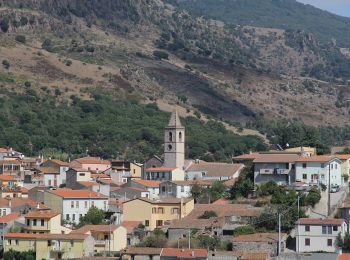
(159, 223)
(332, 166)
(163, 189)
(105, 205)
(304, 176)
(287, 166)
(72, 204)
(329, 242)
(16, 242)
(73, 217)
(160, 210)
(304, 165)
(329, 229)
(85, 204)
(81, 174)
(154, 210)
(322, 165)
(106, 237)
(336, 166)
(307, 228)
(4, 212)
(175, 210)
(146, 223)
(322, 176)
(9, 242)
(72, 243)
(307, 241)
(48, 242)
(42, 222)
(80, 216)
(28, 222)
(77, 204)
(93, 203)
(335, 228)
(180, 137)
(49, 182)
(324, 230)
(34, 222)
(170, 136)
(67, 216)
(182, 188)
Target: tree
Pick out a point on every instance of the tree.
(156, 239)
(94, 216)
(4, 24)
(196, 192)
(6, 64)
(12, 254)
(217, 190)
(208, 242)
(161, 55)
(313, 197)
(208, 214)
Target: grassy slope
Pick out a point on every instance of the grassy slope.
(283, 14)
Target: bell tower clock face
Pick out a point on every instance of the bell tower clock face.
(170, 147)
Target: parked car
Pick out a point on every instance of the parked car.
(334, 188)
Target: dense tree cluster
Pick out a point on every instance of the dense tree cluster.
(107, 128)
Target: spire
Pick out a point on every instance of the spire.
(174, 119)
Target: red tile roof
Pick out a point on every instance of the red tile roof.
(68, 193)
(316, 158)
(9, 217)
(249, 156)
(17, 162)
(7, 178)
(276, 158)
(344, 256)
(92, 160)
(163, 201)
(45, 214)
(184, 253)
(59, 162)
(49, 170)
(143, 251)
(214, 169)
(147, 183)
(95, 228)
(130, 225)
(319, 221)
(88, 183)
(160, 169)
(343, 156)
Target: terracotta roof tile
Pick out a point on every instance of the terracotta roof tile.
(9, 217)
(68, 193)
(316, 158)
(49, 170)
(163, 201)
(59, 162)
(343, 156)
(249, 156)
(17, 162)
(276, 158)
(147, 183)
(7, 178)
(319, 221)
(45, 214)
(92, 160)
(95, 228)
(88, 183)
(130, 225)
(344, 256)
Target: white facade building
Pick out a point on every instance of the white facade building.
(316, 169)
(74, 204)
(318, 234)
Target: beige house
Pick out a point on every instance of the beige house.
(107, 237)
(156, 213)
(51, 246)
(44, 221)
(345, 164)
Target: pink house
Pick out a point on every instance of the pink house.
(94, 164)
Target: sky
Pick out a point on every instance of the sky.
(340, 7)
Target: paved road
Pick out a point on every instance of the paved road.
(321, 208)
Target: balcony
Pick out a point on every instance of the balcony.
(275, 171)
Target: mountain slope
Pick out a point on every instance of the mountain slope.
(282, 14)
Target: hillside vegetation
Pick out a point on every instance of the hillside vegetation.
(282, 14)
(90, 67)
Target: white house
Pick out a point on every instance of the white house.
(73, 204)
(314, 234)
(180, 189)
(316, 169)
(54, 172)
(151, 186)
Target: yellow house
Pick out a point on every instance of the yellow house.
(44, 221)
(51, 246)
(345, 165)
(155, 213)
(107, 237)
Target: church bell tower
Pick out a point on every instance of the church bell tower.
(174, 143)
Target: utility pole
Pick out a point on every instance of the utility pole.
(189, 239)
(279, 234)
(329, 189)
(298, 205)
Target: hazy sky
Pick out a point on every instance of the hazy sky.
(341, 7)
